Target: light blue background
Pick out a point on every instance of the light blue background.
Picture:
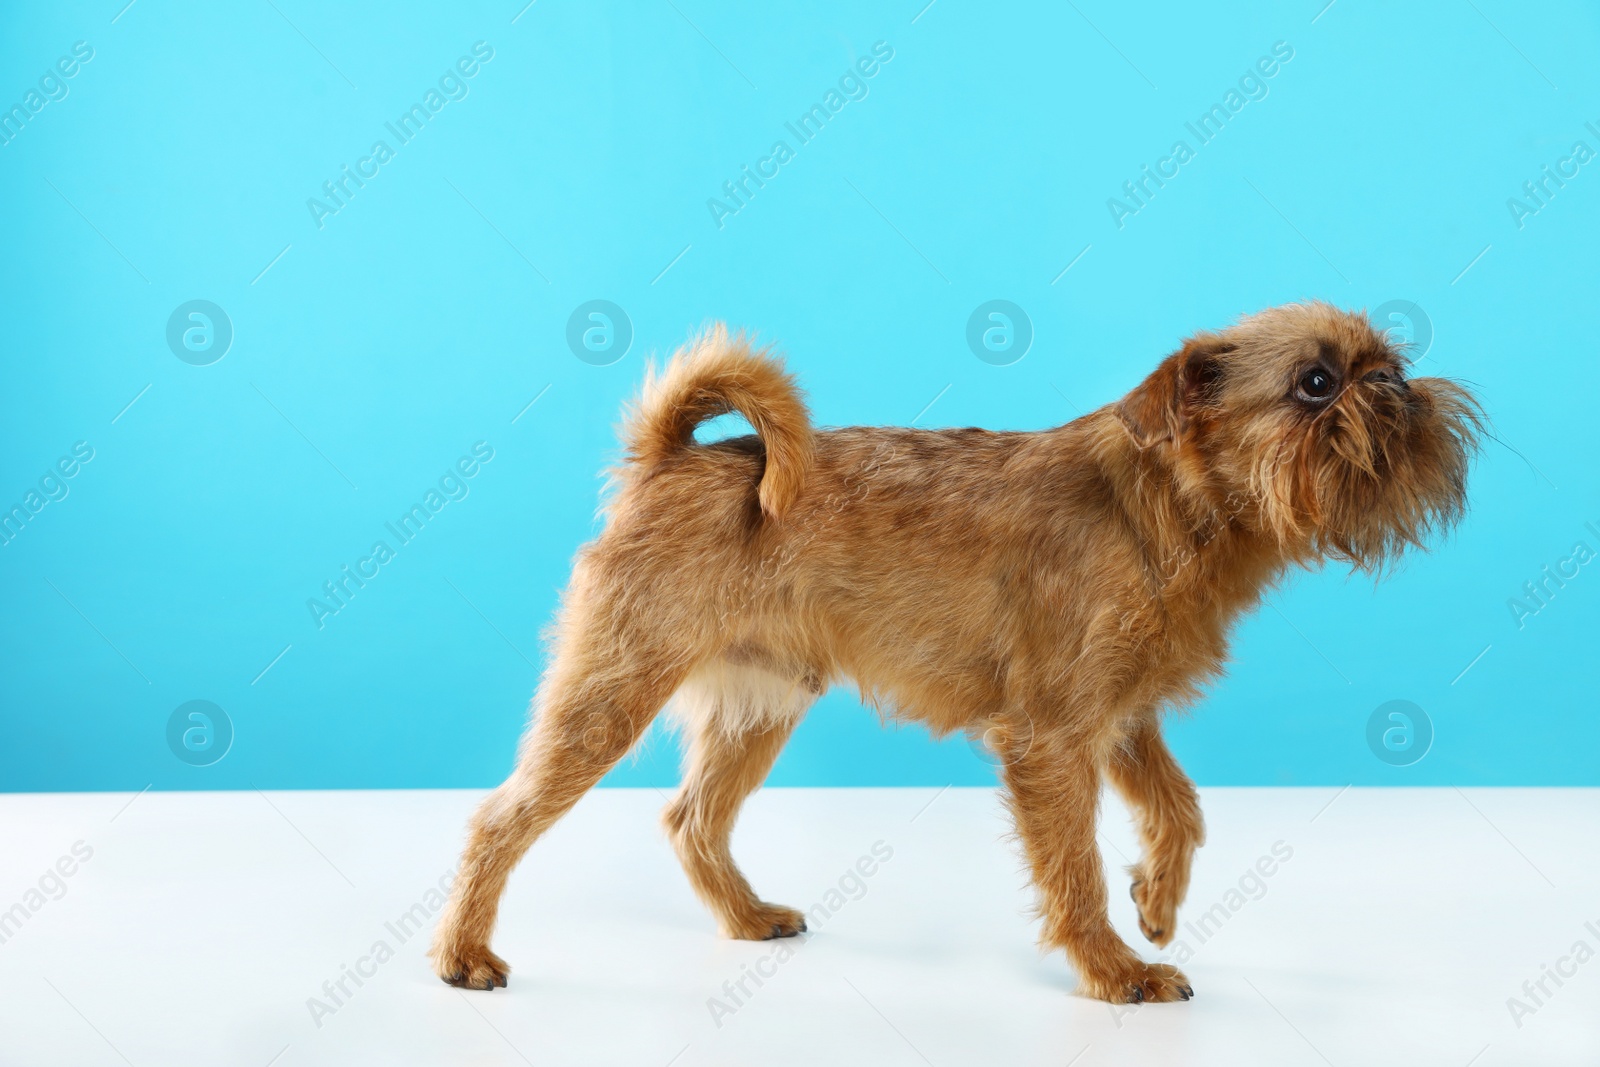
(379, 348)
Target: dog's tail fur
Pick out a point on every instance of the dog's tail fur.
(712, 375)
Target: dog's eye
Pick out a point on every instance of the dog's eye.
(1316, 384)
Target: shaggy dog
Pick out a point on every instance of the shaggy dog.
(1054, 591)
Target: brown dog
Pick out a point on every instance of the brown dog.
(1055, 589)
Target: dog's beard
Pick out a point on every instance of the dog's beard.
(1380, 469)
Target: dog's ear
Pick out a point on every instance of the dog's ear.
(1162, 408)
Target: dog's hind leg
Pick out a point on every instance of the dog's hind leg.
(736, 722)
(605, 685)
(1170, 826)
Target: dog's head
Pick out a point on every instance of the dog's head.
(1303, 419)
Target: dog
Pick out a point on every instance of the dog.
(1054, 591)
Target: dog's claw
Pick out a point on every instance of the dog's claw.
(768, 922)
(479, 971)
(1136, 982)
(1152, 903)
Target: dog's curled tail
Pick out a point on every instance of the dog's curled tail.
(712, 375)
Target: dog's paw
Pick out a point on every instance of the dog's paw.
(765, 922)
(1139, 983)
(474, 968)
(1157, 900)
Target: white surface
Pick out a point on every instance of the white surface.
(204, 922)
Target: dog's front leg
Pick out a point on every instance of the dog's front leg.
(1170, 826)
(1054, 793)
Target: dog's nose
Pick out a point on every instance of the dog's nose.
(1387, 377)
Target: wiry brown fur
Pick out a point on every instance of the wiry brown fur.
(1054, 590)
